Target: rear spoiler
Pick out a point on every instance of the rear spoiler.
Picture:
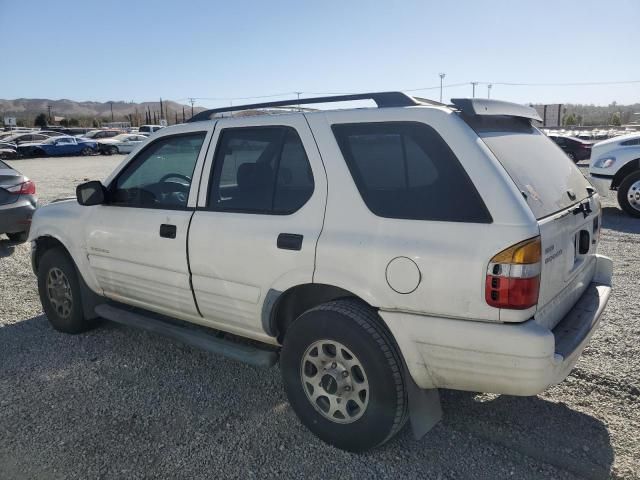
(486, 107)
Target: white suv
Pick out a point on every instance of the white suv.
(378, 253)
(615, 165)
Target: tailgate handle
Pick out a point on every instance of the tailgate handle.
(584, 242)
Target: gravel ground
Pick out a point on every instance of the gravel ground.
(119, 403)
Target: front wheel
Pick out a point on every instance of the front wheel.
(60, 292)
(629, 194)
(86, 151)
(343, 375)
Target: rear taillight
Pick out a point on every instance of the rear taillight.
(513, 276)
(26, 188)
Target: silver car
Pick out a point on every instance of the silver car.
(18, 201)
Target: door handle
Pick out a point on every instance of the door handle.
(167, 231)
(290, 241)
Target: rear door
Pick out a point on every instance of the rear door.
(562, 201)
(259, 216)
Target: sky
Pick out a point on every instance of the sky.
(222, 51)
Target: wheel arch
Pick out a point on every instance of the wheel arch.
(626, 169)
(280, 309)
(45, 243)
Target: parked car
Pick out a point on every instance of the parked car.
(58, 146)
(380, 253)
(615, 165)
(51, 133)
(7, 151)
(575, 148)
(100, 134)
(20, 138)
(149, 129)
(124, 143)
(18, 201)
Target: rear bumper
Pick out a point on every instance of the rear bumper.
(601, 182)
(16, 217)
(515, 359)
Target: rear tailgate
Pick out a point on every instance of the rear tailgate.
(563, 202)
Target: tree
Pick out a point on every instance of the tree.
(41, 121)
(570, 120)
(615, 119)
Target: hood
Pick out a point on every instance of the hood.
(30, 144)
(107, 141)
(616, 140)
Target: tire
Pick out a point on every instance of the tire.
(355, 330)
(629, 194)
(66, 317)
(86, 152)
(19, 237)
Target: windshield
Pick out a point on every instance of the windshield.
(144, 128)
(547, 178)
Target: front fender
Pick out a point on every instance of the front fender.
(64, 221)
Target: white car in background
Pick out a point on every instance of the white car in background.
(615, 165)
(124, 143)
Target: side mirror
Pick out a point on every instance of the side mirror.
(91, 193)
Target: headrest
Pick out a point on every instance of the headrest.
(251, 175)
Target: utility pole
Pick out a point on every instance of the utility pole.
(473, 84)
(192, 101)
(442, 75)
(111, 105)
(49, 109)
(298, 94)
(161, 110)
(182, 113)
(489, 90)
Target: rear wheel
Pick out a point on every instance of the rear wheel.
(629, 194)
(343, 375)
(19, 237)
(60, 293)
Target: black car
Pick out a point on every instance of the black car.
(575, 148)
(18, 201)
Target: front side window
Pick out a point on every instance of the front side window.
(260, 170)
(159, 176)
(406, 170)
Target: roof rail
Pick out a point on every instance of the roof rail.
(382, 99)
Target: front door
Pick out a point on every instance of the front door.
(260, 212)
(137, 243)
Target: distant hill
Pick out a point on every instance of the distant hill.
(26, 109)
(591, 115)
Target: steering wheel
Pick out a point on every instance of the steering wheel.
(175, 175)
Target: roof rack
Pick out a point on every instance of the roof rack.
(382, 99)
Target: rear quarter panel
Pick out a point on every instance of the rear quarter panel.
(356, 246)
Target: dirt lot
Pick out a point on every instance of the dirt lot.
(118, 403)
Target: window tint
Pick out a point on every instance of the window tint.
(260, 170)
(635, 141)
(160, 176)
(406, 170)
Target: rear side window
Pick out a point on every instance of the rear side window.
(406, 170)
(260, 170)
(635, 141)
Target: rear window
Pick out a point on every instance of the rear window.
(406, 170)
(547, 178)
